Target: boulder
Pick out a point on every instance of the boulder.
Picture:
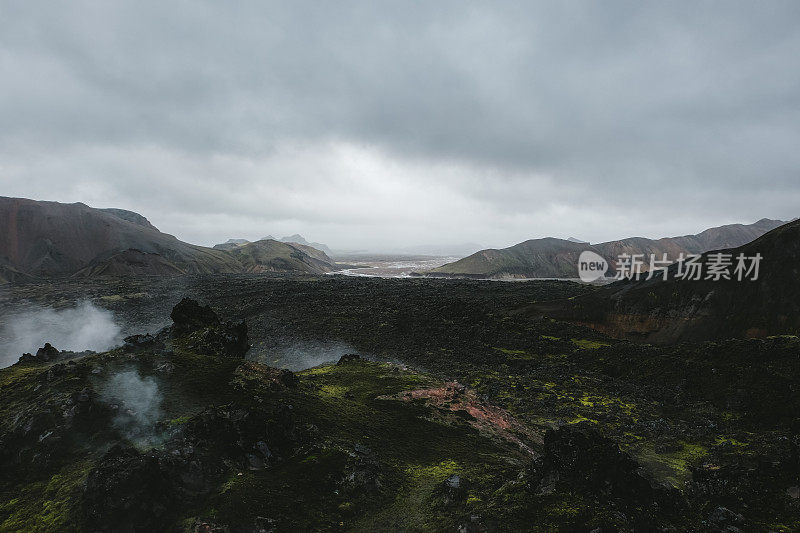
(141, 342)
(224, 340)
(47, 352)
(189, 315)
(205, 333)
(455, 489)
(578, 456)
(362, 476)
(348, 358)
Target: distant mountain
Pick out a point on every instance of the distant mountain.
(230, 244)
(558, 258)
(275, 256)
(310, 248)
(298, 239)
(51, 239)
(55, 239)
(573, 239)
(661, 312)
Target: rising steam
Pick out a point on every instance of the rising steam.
(83, 327)
(298, 355)
(137, 401)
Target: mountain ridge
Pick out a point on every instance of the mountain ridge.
(42, 239)
(667, 311)
(550, 257)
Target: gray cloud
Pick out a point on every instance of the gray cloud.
(381, 123)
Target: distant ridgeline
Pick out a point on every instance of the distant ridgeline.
(51, 239)
(558, 258)
(663, 311)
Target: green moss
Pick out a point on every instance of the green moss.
(510, 352)
(317, 370)
(245, 495)
(51, 505)
(732, 441)
(412, 509)
(205, 376)
(673, 466)
(441, 470)
(589, 345)
(333, 390)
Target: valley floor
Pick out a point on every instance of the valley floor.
(462, 414)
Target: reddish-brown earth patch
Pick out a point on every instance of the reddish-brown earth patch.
(452, 396)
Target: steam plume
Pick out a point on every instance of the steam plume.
(83, 327)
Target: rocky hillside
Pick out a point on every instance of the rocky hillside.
(558, 258)
(662, 311)
(50, 239)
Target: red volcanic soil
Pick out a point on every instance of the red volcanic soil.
(453, 396)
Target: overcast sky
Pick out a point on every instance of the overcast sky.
(385, 124)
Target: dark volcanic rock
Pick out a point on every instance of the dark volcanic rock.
(205, 333)
(348, 358)
(141, 342)
(362, 480)
(455, 489)
(580, 457)
(251, 376)
(47, 352)
(41, 439)
(189, 315)
(723, 520)
(128, 492)
(226, 340)
(134, 491)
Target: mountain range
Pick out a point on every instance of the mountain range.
(662, 311)
(558, 258)
(52, 239)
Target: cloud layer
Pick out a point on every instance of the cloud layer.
(381, 124)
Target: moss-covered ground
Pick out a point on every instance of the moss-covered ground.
(715, 421)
